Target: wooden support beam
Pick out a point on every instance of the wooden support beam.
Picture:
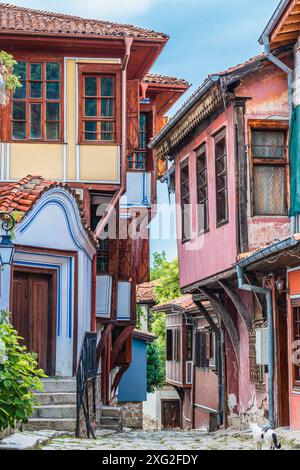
(118, 379)
(118, 344)
(238, 303)
(101, 345)
(207, 317)
(219, 306)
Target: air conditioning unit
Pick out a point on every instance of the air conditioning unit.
(262, 347)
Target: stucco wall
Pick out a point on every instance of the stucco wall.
(196, 259)
(133, 386)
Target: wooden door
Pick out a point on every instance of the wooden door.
(34, 315)
(170, 414)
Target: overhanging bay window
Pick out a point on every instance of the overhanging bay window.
(221, 178)
(185, 200)
(270, 171)
(37, 105)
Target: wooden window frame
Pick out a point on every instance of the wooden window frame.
(260, 125)
(201, 153)
(99, 70)
(8, 112)
(132, 158)
(218, 137)
(295, 306)
(185, 163)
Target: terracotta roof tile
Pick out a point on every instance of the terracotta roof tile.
(22, 196)
(145, 293)
(19, 19)
(166, 80)
(185, 302)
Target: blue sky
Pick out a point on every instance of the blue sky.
(205, 36)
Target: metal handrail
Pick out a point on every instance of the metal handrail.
(86, 380)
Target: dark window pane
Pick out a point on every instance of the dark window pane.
(36, 89)
(91, 107)
(53, 91)
(19, 130)
(52, 130)
(268, 144)
(107, 86)
(52, 71)
(52, 112)
(143, 121)
(221, 207)
(90, 130)
(20, 92)
(36, 71)
(91, 86)
(107, 131)
(20, 70)
(107, 107)
(269, 190)
(19, 111)
(36, 121)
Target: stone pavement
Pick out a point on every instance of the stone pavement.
(160, 440)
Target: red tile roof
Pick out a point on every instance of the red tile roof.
(185, 302)
(26, 20)
(157, 79)
(145, 293)
(23, 195)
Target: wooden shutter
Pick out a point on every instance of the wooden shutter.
(169, 345)
(161, 121)
(133, 113)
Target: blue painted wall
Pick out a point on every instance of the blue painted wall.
(133, 386)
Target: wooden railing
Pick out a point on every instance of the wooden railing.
(86, 377)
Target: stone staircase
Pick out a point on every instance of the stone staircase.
(111, 418)
(57, 409)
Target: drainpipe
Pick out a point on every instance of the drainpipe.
(290, 79)
(123, 164)
(268, 295)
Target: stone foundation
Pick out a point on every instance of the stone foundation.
(132, 414)
(149, 423)
(256, 413)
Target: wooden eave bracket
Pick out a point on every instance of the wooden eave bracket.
(238, 303)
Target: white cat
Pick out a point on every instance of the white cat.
(257, 434)
(267, 435)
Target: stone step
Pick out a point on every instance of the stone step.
(109, 420)
(38, 424)
(63, 398)
(113, 427)
(56, 412)
(110, 411)
(57, 385)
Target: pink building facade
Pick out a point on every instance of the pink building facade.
(229, 147)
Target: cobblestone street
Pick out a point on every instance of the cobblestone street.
(173, 440)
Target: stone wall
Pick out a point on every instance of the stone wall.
(132, 414)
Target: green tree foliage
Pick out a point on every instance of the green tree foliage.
(167, 289)
(19, 376)
(155, 371)
(7, 64)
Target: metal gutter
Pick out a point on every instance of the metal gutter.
(206, 86)
(274, 19)
(270, 250)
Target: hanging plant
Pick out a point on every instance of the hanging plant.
(9, 82)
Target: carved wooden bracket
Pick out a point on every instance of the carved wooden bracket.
(118, 378)
(107, 331)
(207, 317)
(119, 344)
(238, 303)
(219, 306)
